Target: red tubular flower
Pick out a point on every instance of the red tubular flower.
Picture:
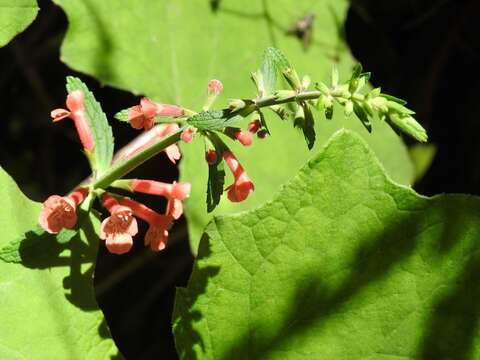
(148, 138)
(143, 115)
(60, 212)
(76, 112)
(177, 190)
(157, 233)
(242, 186)
(175, 193)
(117, 229)
(245, 138)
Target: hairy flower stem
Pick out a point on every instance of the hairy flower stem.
(273, 100)
(123, 167)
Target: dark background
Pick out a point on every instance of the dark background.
(427, 52)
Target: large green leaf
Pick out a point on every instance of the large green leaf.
(48, 308)
(342, 264)
(15, 16)
(169, 50)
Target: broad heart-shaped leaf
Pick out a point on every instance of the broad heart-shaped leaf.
(101, 130)
(15, 16)
(342, 264)
(169, 50)
(48, 308)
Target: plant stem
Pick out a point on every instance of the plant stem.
(272, 100)
(123, 167)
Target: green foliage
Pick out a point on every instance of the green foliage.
(98, 123)
(15, 16)
(48, 305)
(342, 264)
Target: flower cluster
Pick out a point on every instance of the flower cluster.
(217, 150)
(118, 229)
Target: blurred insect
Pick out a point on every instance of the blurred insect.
(303, 30)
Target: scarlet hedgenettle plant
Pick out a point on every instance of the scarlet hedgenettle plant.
(166, 124)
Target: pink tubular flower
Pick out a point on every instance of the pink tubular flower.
(148, 138)
(117, 229)
(76, 112)
(157, 233)
(187, 135)
(242, 185)
(175, 193)
(60, 212)
(245, 138)
(215, 87)
(143, 115)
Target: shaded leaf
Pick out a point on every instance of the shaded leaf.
(216, 180)
(362, 116)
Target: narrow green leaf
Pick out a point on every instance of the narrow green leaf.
(402, 110)
(362, 116)
(101, 130)
(263, 121)
(309, 127)
(216, 181)
(408, 125)
(393, 98)
(357, 71)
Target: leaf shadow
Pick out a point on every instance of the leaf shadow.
(446, 335)
(42, 251)
(451, 330)
(184, 317)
